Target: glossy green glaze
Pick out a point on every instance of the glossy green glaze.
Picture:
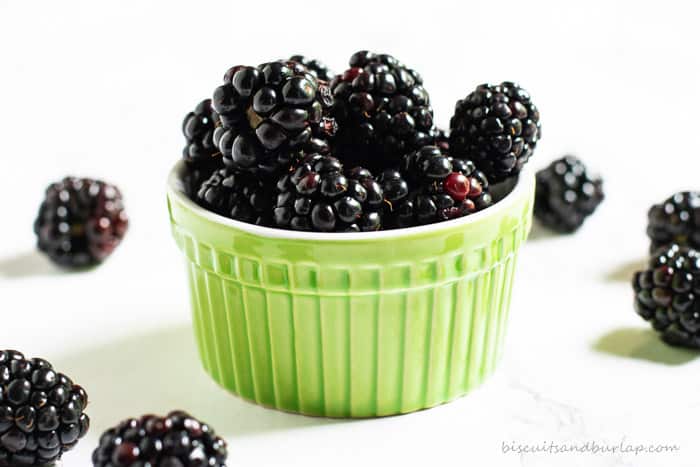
(356, 325)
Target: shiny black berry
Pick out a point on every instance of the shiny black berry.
(41, 411)
(315, 67)
(442, 141)
(198, 127)
(193, 177)
(566, 194)
(382, 111)
(676, 220)
(80, 222)
(268, 113)
(432, 187)
(398, 199)
(667, 294)
(320, 196)
(238, 195)
(497, 127)
(177, 440)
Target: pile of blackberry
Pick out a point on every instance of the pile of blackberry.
(41, 411)
(289, 145)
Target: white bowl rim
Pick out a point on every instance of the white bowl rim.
(176, 190)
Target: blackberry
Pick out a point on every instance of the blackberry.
(398, 199)
(317, 196)
(268, 113)
(198, 128)
(80, 222)
(442, 140)
(497, 127)
(41, 411)
(676, 220)
(238, 195)
(193, 177)
(177, 440)
(382, 111)
(435, 188)
(315, 67)
(566, 194)
(667, 294)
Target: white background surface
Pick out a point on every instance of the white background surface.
(100, 89)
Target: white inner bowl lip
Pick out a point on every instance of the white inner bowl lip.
(176, 190)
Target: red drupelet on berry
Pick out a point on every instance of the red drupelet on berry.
(432, 187)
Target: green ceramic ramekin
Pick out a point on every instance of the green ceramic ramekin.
(356, 324)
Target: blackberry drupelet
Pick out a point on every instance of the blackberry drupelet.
(268, 114)
(41, 411)
(667, 294)
(192, 179)
(468, 169)
(566, 194)
(80, 222)
(317, 196)
(382, 111)
(315, 67)
(398, 199)
(442, 140)
(198, 127)
(364, 187)
(177, 440)
(238, 195)
(439, 188)
(497, 127)
(676, 220)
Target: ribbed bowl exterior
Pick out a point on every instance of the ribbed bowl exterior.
(351, 328)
